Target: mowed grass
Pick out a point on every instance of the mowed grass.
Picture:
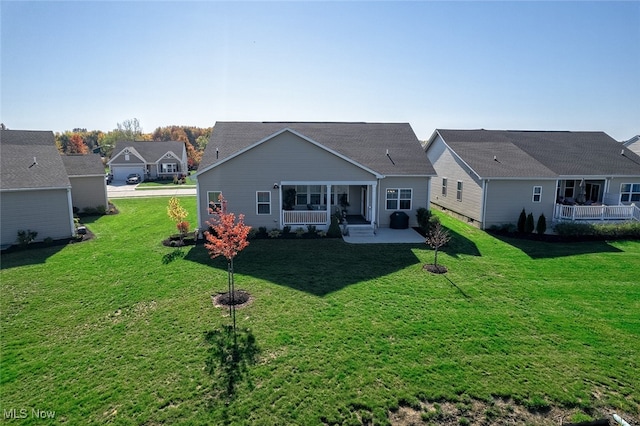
(113, 330)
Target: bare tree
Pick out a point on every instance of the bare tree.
(437, 237)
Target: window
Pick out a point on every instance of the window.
(537, 194)
(301, 195)
(629, 192)
(169, 167)
(459, 191)
(214, 201)
(263, 202)
(399, 198)
(569, 187)
(315, 193)
(444, 187)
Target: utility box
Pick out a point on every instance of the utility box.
(399, 220)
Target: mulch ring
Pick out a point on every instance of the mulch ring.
(435, 269)
(241, 299)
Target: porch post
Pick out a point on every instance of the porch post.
(328, 205)
(374, 204)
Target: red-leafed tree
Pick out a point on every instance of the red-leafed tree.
(227, 238)
(76, 145)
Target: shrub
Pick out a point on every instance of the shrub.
(275, 233)
(262, 230)
(424, 219)
(286, 229)
(605, 230)
(529, 224)
(101, 209)
(541, 226)
(522, 221)
(334, 228)
(26, 237)
(299, 232)
(311, 229)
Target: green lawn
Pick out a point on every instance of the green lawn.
(113, 330)
(161, 184)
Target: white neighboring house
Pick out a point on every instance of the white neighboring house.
(151, 160)
(488, 176)
(300, 173)
(35, 191)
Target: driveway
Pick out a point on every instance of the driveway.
(122, 190)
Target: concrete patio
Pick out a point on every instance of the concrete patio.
(387, 236)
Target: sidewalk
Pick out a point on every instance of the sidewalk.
(130, 191)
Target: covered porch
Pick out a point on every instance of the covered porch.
(599, 212)
(313, 203)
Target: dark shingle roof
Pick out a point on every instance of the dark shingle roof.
(83, 165)
(151, 151)
(18, 170)
(364, 143)
(541, 153)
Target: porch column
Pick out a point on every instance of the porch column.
(374, 204)
(328, 204)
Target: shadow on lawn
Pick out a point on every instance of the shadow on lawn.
(460, 244)
(545, 250)
(319, 266)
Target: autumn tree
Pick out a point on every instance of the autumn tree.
(227, 238)
(76, 145)
(178, 214)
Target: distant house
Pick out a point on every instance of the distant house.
(633, 144)
(87, 177)
(151, 160)
(297, 174)
(488, 176)
(35, 191)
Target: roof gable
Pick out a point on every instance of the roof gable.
(521, 154)
(362, 144)
(149, 151)
(30, 160)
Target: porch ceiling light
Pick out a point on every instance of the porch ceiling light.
(276, 186)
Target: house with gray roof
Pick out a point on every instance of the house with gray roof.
(488, 176)
(87, 177)
(151, 160)
(35, 191)
(300, 173)
(633, 144)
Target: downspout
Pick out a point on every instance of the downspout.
(485, 187)
(280, 213)
(199, 206)
(428, 206)
(376, 205)
(70, 205)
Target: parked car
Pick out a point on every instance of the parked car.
(108, 178)
(133, 178)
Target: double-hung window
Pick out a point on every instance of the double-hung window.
(214, 201)
(169, 167)
(459, 191)
(263, 202)
(444, 187)
(537, 194)
(399, 198)
(629, 192)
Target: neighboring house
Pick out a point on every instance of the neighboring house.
(488, 176)
(35, 191)
(297, 174)
(151, 160)
(87, 177)
(633, 144)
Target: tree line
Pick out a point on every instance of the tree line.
(83, 141)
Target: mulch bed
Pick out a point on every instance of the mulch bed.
(435, 269)
(241, 299)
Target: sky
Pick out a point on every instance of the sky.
(541, 65)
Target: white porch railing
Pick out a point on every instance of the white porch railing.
(603, 212)
(305, 217)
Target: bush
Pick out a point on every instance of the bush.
(299, 232)
(286, 229)
(529, 224)
(275, 233)
(424, 216)
(522, 221)
(541, 226)
(26, 237)
(334, 228)
(311, 229)
(605, 230)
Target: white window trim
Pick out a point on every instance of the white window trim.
(630, 193)
(445, 182)
(459, 189)
(165, 166)
(397, 200)
(539, 194)
(258, 203)
(217, 203)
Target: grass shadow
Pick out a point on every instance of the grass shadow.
(170, 257)
(231, 352)
(33, 254)
(546, 250)
(319, 266)
(458, 245)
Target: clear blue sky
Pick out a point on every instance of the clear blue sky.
(494, 65)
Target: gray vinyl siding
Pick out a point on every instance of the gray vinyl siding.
(505, 200)
(420, 186)
(88, 191)
(45, 211)
(450, 167)
(286, 157)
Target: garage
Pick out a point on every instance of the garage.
(120, 173)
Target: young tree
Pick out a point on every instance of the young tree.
(529, 225)
(522, 219)
(229, 237)
(76, 145)
(436, 238)
(541, 226)
(178, 214)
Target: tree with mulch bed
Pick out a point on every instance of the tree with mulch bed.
(178, 214)
(436, 238)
